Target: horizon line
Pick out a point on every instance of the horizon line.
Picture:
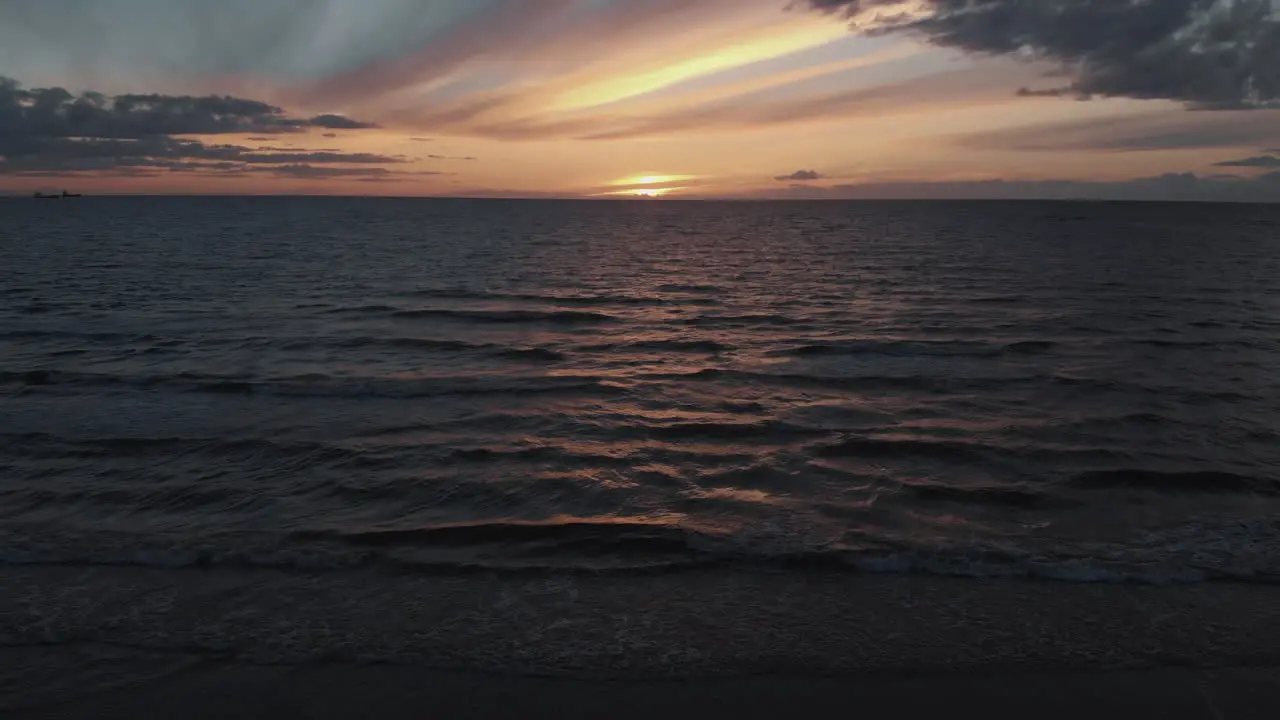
(666, 200)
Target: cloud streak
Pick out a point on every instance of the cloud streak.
(305, 171)
(568, 68)
(750, 110)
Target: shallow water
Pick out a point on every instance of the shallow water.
(1069, 390)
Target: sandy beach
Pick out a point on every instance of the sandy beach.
(139, 643)
(346, 691)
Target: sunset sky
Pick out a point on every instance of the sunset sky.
(613, 98)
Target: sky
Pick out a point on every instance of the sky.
(1114, 99)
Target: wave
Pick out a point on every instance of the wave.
(111, 337)
(319, 385)
(43, 377)
(1187, 482)
(167, 498)
(548, 299)
(540, 452)
(541, 354)
(999, 299)
(30, 377)
(1002, 495)
(916, 382)
(44, 443)
(591, 536)
(226, 388)
(1030, 347)
(912, 348)
(1198, 552)
(1196, 344)
(565, 317)
(569, 457)
(689, 288)
(755, 319)
(904, 447)
(534, 354)
(878, 347)
(555, 317)
(442, 387)
(361, 310)
(942, 383)
(766, 430)
(679, 346)
(409, 343)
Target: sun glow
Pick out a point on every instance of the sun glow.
(649, 193)
(651, 179)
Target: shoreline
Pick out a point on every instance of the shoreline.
(706, 623)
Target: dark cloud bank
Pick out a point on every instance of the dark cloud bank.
(1258, 161)
(800, 176)
(49, 132)
(1206, 54)
(1212, 54)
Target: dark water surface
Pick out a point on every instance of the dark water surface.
(1078, 391)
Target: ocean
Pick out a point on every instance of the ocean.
(1076, 391)
(347, 392)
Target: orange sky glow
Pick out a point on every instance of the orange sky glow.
(711, 98)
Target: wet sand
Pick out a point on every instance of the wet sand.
(142, 643)
(338, 691)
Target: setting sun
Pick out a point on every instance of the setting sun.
(641, 192)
